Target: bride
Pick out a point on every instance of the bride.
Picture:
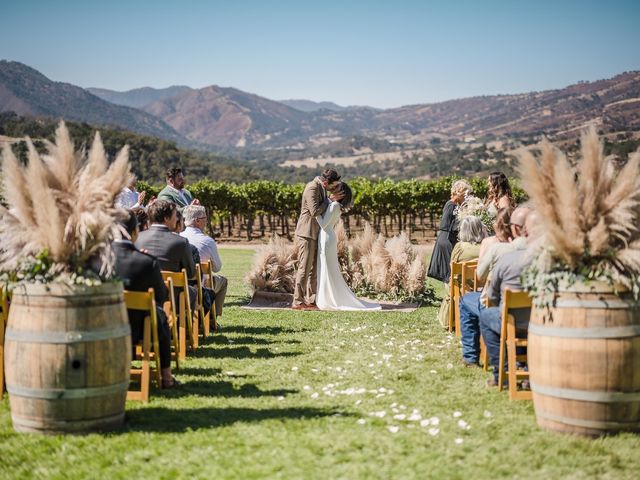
(333, 293)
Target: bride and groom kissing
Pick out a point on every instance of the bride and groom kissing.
(319, 283)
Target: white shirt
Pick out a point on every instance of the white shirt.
(127, 198)
(206, 246)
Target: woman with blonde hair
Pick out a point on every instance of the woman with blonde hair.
(439, 267)
(472, 233)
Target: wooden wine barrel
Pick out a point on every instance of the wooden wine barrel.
(584, 362)
(67, 358)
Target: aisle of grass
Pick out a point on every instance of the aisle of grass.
(322, 395)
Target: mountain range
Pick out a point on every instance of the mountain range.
(227, 118)
(27, 92)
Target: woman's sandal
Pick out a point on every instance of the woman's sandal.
(172, 384)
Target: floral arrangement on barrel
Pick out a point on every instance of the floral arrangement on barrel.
(59, 219)
(589, 220)
(56, 231)
(373, 267)
(474, 206)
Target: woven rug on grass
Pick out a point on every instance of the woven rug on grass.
(283, 301)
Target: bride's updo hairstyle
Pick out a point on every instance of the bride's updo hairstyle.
(343, 191)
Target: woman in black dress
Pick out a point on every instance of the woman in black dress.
(440, 266)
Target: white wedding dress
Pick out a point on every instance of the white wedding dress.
(333, 293)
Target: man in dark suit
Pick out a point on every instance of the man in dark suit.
(171, 250)
(139, 272)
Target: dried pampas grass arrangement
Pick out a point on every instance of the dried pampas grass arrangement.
(274, 267)
(61, 207)
(589, 217)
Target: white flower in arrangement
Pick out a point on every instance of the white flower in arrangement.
(474, 206)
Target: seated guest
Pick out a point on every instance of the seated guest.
(506, 274)
(172, 251)
(175, 191)
(129, 197)
(139, 272)
(471, 304)
(143, 218)
(195, 217)
(471, 233)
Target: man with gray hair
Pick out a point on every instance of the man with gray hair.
(195, 220)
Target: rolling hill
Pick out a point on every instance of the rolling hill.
(26, 91)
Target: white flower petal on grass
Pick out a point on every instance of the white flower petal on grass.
(400, 416)
(393, 428)
(394, 404)
(294, 369)
(434, 421)
(425, 422)
(358, 402)
(458, 441)
(379, 414)
(487, 414)
(315, 395)
(457, 414)
(306, 387)
(414, 417)
(280, 398)
(229, 373)
(432, 371)
(464, 425)
(449, 366)
(361, 421)
(433, 431)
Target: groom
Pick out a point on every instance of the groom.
(314, 202)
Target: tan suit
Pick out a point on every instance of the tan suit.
(314, 202)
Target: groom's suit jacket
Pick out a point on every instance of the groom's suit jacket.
(314, 202)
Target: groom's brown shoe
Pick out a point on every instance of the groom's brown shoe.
(300, 307)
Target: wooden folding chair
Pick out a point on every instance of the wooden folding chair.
(455, 292)
(512, 299)
(187, 322)
(4, 318)
(145, 302)
(169, 308)
(468, 276)
(207, 269)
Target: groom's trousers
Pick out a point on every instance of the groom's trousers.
(306, 276)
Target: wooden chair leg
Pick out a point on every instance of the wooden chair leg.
(2, 357)
(145, 377)
(512, 366)
(503, 340)
(182, 327)
(484, 355)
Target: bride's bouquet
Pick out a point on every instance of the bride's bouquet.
(473, 206)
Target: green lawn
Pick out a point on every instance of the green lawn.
(322, 395)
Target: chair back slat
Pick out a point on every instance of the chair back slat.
(139, 300)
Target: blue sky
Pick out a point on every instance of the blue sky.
(377, 52)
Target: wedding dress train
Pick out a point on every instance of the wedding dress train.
(333, 293)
